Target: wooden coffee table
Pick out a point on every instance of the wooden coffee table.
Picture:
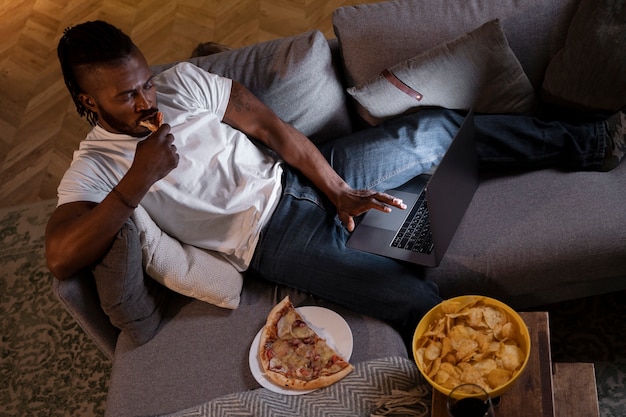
(544, 389)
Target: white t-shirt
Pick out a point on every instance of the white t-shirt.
(224, 189)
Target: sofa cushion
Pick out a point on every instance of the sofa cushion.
(186, 269)
(294, 76)
(132, 301)
(538, 238)
(376, 36)
(476, 70)
(205, 350)
(589, 72)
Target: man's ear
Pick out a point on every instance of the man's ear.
(88, 102)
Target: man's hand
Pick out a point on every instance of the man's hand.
(356, 202)
(155, 156)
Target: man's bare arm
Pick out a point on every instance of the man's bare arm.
(248, 114)
(78, 234)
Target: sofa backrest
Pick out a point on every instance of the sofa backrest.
(378, 35)
(296, 77)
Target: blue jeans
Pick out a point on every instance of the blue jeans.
(304, 244)
(524, 142)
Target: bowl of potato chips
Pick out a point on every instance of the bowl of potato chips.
(471, 339)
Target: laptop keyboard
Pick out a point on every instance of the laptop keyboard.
(415, 235)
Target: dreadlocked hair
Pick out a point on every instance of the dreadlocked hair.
(90, 43)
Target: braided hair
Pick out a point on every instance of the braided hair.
(90, 43)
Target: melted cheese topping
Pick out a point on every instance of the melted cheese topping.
(299, 352)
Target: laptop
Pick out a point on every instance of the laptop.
(435, 203)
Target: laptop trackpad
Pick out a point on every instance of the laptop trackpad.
(392, 220)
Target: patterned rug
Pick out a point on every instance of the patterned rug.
(49, 367)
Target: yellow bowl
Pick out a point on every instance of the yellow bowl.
(436, 313)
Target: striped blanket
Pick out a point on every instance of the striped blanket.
(381, 387)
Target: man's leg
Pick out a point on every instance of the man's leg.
(390, 154)
(395, 151)
(525, 142)
(304, 246)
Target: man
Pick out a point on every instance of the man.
(204, 179)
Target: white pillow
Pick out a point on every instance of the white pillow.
(186, 269)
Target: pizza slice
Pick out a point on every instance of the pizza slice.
(154, 123)
(294, 356)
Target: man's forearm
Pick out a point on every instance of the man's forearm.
(300, 153)
(79, 234)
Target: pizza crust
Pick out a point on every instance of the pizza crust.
(276, 334)
(298, 384)
(154, 123)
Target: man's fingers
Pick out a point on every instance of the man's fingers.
(350, 224)
(387, 200)
(347, 220)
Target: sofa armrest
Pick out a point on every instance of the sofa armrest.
(79, 296)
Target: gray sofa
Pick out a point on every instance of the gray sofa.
(528, 239)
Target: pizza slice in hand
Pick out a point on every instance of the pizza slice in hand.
(294, 356)
(154, 123)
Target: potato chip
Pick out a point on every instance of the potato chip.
(441, 377)
(465, 348)
(435, 367)
(494, 317)
(433, 351)
(512, 357)
(419, 358)
(506, 332)
(486, 366)
(446, 347)
(498, 377)
(448, 375)
(475, 318)
(451, 369)
(456, 306)
(473, 376)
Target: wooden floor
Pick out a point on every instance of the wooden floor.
(39, 128)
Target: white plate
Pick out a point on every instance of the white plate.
(327, 324)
